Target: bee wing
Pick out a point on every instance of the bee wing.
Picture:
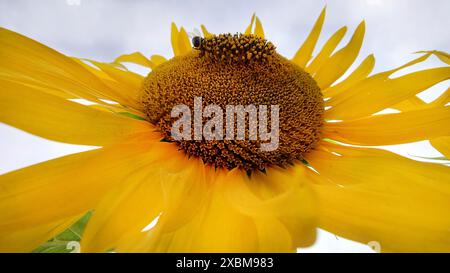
(191, 35)
(197, 32)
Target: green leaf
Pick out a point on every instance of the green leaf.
(306, 163)
(130, 115)
(53, 247)
(59, 244)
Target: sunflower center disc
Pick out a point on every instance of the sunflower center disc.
(230, 70)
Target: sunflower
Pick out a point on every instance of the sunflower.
(225, 196)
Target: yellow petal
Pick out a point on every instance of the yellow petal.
(265, 196)
(376, 97)
(154, 189)
(273, 236)
(443, 99)
(61, 120)
(47, 184)
(359, 74)
(219, 231)
(183, 189)
(127, 209)
(326, 51)
(91, 68)
(187, 184)
(43, 79)
(388, 129)
(443, 56)
(412, 103)
(442, 144)
(415, 103)
(132, 205)
(304, 53)
(127, 84)
(174, 39)
(339, 62)
(26, 59)
(400, 203)
(67, 186)
(132, 80)
(248, 30)
(123, 92)
(259, 31)
(216, 227)
(184, 45)
(158, 59)
(237, 217)
(378, 79)
(206, 33)
(136, 58)
(26, 240)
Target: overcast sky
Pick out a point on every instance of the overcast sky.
(105, 29)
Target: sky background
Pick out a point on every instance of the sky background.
(105, 29)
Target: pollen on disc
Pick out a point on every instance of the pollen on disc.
(238, 70)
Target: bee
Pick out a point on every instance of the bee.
(197, 42)
(196, 38)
